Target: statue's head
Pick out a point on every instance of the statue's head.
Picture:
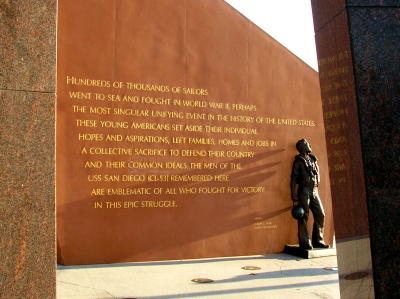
(303, 146)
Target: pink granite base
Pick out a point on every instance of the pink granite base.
(27, 101)
(27, 195)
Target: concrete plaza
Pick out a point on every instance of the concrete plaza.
(280, 276)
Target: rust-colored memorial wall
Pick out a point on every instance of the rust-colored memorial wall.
(176, 131)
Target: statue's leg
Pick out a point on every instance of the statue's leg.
(319, 215)
(304, 239)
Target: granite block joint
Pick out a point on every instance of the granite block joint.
(25, 90)
(330, 20)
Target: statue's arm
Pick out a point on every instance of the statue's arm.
(293, 190)
(293, 179)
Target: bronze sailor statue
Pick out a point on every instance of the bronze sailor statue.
(304, 192)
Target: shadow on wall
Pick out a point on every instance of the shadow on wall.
(89, 235)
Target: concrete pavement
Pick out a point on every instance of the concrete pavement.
(280, 276)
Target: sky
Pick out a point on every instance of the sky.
(288, 21)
